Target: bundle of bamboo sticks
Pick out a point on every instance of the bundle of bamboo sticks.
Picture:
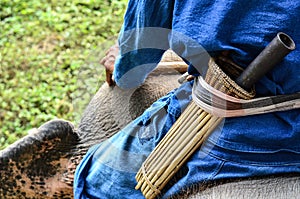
(184, 138)
(194, 125)
(164, 162)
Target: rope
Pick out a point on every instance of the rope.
(153, 187)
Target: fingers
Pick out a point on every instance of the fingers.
(102, 61)
(190, 78)
(185, 77)
(109, 78)
(108, 62)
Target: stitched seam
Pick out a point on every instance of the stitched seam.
(217, 171)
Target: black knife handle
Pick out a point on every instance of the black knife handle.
(274, 52)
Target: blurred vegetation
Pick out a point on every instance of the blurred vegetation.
(49, 59)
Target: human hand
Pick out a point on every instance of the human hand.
(109, 61)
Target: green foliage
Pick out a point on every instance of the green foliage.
(49, 57)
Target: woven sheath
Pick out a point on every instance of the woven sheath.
(220, 75)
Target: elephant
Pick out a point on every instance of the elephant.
(42, 164)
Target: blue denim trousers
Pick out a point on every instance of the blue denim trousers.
(240, 147)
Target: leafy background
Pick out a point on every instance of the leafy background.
(49, 59)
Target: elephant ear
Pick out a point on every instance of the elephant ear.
(33, 165)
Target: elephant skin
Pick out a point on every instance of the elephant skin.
(42, 164)
(31, 167)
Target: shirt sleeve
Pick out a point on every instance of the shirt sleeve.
(142, 40)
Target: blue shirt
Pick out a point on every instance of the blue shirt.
(196, 30)
(244, 28)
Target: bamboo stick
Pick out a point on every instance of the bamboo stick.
(169, 135)
(197, 144)
(181, 124)
(192, 129)
(152, 157)
(172, 152)
(189, 148)
(177, 126)
(177, 147)
(187, 134)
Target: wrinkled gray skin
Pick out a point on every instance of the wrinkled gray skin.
(42, 164)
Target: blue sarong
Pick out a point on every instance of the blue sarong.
(245, 146)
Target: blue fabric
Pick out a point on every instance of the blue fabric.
(241, 147)
(108, 170)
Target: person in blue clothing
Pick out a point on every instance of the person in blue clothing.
(247, 146)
